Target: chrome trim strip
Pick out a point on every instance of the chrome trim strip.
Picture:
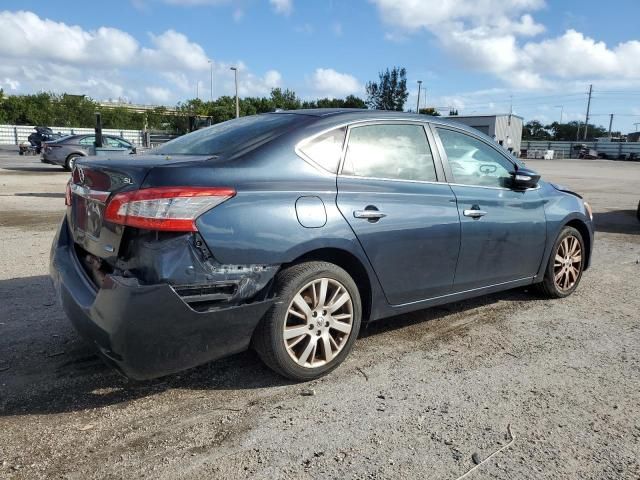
(464, 291)
(344, 175)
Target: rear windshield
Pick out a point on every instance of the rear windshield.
(230, 136)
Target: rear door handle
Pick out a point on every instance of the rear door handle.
(369, 214)
(473, 213)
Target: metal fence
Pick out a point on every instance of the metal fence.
(16, 134)
(611, 150)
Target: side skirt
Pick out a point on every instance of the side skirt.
(390, 311)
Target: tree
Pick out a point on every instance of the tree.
(569, 131)
(354, 102)
(285, 99)
(350, 102)
(453, 112)
(429, 111)
(2, 114)
(534, 130)
(390, 92)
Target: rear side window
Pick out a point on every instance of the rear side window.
(325, 149)
(88, 141)
(389, 151)
(232, 136)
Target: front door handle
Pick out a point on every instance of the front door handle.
(474, 213)
(369, 214)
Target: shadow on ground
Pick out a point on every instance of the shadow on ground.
(40, 195)
(46, 368)
(27, 170)
(617, 221)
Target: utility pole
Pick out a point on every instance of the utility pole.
(419, 91)
(235, 71)
(610, 123)
(211, 80)
(586, 121)
(198, 89)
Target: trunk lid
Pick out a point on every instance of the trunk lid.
(93, 181)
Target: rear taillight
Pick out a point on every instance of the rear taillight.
(165, 208)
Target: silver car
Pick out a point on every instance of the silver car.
(66, 150)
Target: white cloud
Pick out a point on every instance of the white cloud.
(158, 94)
(38, 54)
(416, 14)
(24, 34)
(283, 7)
(174, 50)
(487, 35)
(326, 82)
(9, 83)
(251, 85)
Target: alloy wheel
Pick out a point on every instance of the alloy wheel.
(568, 263)
(318, 322)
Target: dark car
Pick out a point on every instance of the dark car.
(37, 138)
(66, 150)
(285, 231)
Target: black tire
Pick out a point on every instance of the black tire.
(549, 287)
(268, 338)
(638, 212)
(70, 162)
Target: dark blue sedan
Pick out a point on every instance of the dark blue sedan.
(286, 231)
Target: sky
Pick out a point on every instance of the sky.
(536, 57)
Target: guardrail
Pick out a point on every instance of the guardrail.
(16, 134)
(611, 150)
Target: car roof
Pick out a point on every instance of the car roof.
(328, 117)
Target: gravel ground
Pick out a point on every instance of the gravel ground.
(421, 396)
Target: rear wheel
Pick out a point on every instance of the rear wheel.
(313, 327)
(70, 162)
(565, 266)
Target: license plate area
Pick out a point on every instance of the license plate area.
(87, 209)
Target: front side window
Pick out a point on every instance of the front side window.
(392, 151)
(326, 149)
(473, 162)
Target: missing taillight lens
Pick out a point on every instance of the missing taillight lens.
(67, 194)
(165, 208)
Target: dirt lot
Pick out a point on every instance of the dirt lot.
(420, 395)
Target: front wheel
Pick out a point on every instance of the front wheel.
(566, 264)
(313, 326)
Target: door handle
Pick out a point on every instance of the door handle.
(369, 214)
(474, 213)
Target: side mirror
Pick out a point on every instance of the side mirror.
(524, 178)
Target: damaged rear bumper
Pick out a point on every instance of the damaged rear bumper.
(147, 331)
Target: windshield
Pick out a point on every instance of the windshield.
(231, 136)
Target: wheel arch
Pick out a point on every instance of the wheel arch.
(586, 237)
(348, 262)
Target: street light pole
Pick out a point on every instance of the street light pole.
(235, 71)
(561, 107)
(419, 91)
